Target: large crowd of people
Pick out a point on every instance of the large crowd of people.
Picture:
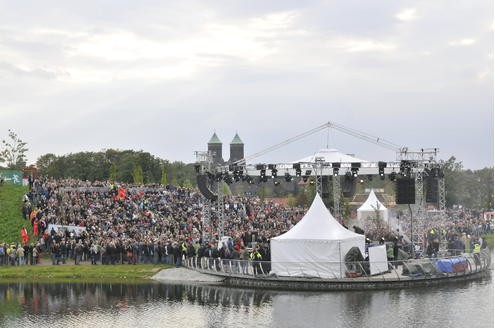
(105, 223)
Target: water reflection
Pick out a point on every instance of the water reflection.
(168, 305)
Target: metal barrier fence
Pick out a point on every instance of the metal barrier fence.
(425, 268)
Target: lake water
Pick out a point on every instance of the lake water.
(467, 304)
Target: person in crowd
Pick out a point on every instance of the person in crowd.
(255, 257)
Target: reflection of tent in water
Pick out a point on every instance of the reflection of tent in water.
(315, 246)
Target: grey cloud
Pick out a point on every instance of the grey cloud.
(36, 73)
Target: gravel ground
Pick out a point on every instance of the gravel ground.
(185, 275)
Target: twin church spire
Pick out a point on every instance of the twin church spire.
(236, 149)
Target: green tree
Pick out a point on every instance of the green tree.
(302, 199)
(485, 178)
(164, 176)
(310, 192)
(225, 188)
(137, 174)
(113, 173)
(262, 192)
(46, 163)
(291, 201)
(13, 151)
(187, 183)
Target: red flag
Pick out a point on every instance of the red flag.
(122, 193)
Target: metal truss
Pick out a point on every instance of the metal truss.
(441, 195)
(220, 210)
(337, 209)
(206, 219)
(318, 168)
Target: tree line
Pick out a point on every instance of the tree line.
(127, 166)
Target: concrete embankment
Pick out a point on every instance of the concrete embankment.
(186, 275)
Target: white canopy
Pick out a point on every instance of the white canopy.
(369, 208)
(315, 247)
(331, 156)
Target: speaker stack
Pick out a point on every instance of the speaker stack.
(405, 191)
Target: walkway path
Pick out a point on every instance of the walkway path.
(186, 275)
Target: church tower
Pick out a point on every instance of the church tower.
(215, 147)
(236, 149)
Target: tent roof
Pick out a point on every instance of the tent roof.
(372, 203)
(331, 156)
(318, 224)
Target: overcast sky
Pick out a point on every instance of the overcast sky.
(162, 76)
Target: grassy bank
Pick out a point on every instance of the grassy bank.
(87, 273)
(11, 220)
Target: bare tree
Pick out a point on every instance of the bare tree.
(13, 151)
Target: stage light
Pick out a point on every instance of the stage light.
(405, 168)
(276, 183)
(393, 176)
(274, 173)
(297, 167)
(354, 169)
(335, 171)
(288, 178)
(306, 175)
(381, 169)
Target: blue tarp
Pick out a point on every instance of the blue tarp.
(455, 264)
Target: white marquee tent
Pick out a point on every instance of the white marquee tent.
(315, 247)
(331, 156)
(369, 208)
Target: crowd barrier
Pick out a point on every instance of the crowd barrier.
(425, 268)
